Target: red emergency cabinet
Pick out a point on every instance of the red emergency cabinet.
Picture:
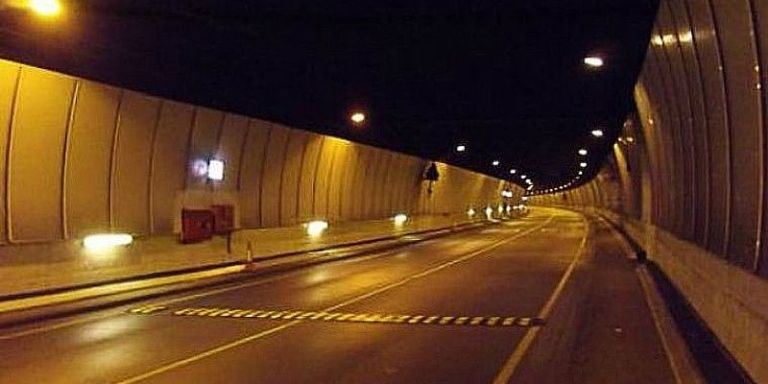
(223, 218)
(196, 225)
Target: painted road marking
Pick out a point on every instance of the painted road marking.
(505, 375)
(148, 309)
(234, 344)
(379, 318)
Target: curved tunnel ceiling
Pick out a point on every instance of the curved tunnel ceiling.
(508, 82)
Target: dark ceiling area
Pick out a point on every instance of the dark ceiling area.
(508, 81)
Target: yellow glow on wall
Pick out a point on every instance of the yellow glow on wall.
(45, 7)
(471, 212)
(104, 241)
(400, 218)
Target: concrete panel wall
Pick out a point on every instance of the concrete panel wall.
(88, 165)
(80, 157)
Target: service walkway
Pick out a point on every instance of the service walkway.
(550, 298)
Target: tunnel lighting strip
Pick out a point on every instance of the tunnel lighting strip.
(374, 318)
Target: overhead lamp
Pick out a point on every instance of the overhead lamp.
(597, 132)
(581, 172)
(461, 148)
(594, 61)
(583, 165)
(583, 152)
(357, 117)
(523, 177)
(513, 171)
(495, 163)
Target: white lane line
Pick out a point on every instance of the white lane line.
(517, 355)
(657, 312)
(644, 283)
(236, 343)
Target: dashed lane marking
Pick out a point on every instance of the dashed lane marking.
(239, 313)
(147, 309)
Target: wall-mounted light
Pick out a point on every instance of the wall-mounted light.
(597, 132)
(216, 169)
(583, 152)
(316, 228)
(488, 213)
(583, 165)
(471, 212)
(200, 168)
(512, 171)
(103, 241)
(495, 163)
(400, 218)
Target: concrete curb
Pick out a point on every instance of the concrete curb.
(29, 307)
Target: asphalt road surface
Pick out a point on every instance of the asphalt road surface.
(550, 298)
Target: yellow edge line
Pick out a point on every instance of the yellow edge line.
(267, 332)
(517, 355)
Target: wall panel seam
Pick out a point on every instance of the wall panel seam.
(727, 112)
(307, 139)
(282, 176)
(261, 174)
(761, 132)
(65, 158)
(705, 120)
(151, 177)
(112, 160)
(314, 178)
(692, 154)
(241, 156)
(190, 137)
(8, 151)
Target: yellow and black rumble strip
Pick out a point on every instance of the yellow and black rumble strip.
(489, 321)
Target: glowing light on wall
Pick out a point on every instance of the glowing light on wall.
(104, 241)
(471, 212)
(597, 133)
(216, 169)
(461, 148)
(496, 163)
(400, 218)
(316, 228)
(200, 168)
(45, 7)
(489, 213)
(583, 152)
